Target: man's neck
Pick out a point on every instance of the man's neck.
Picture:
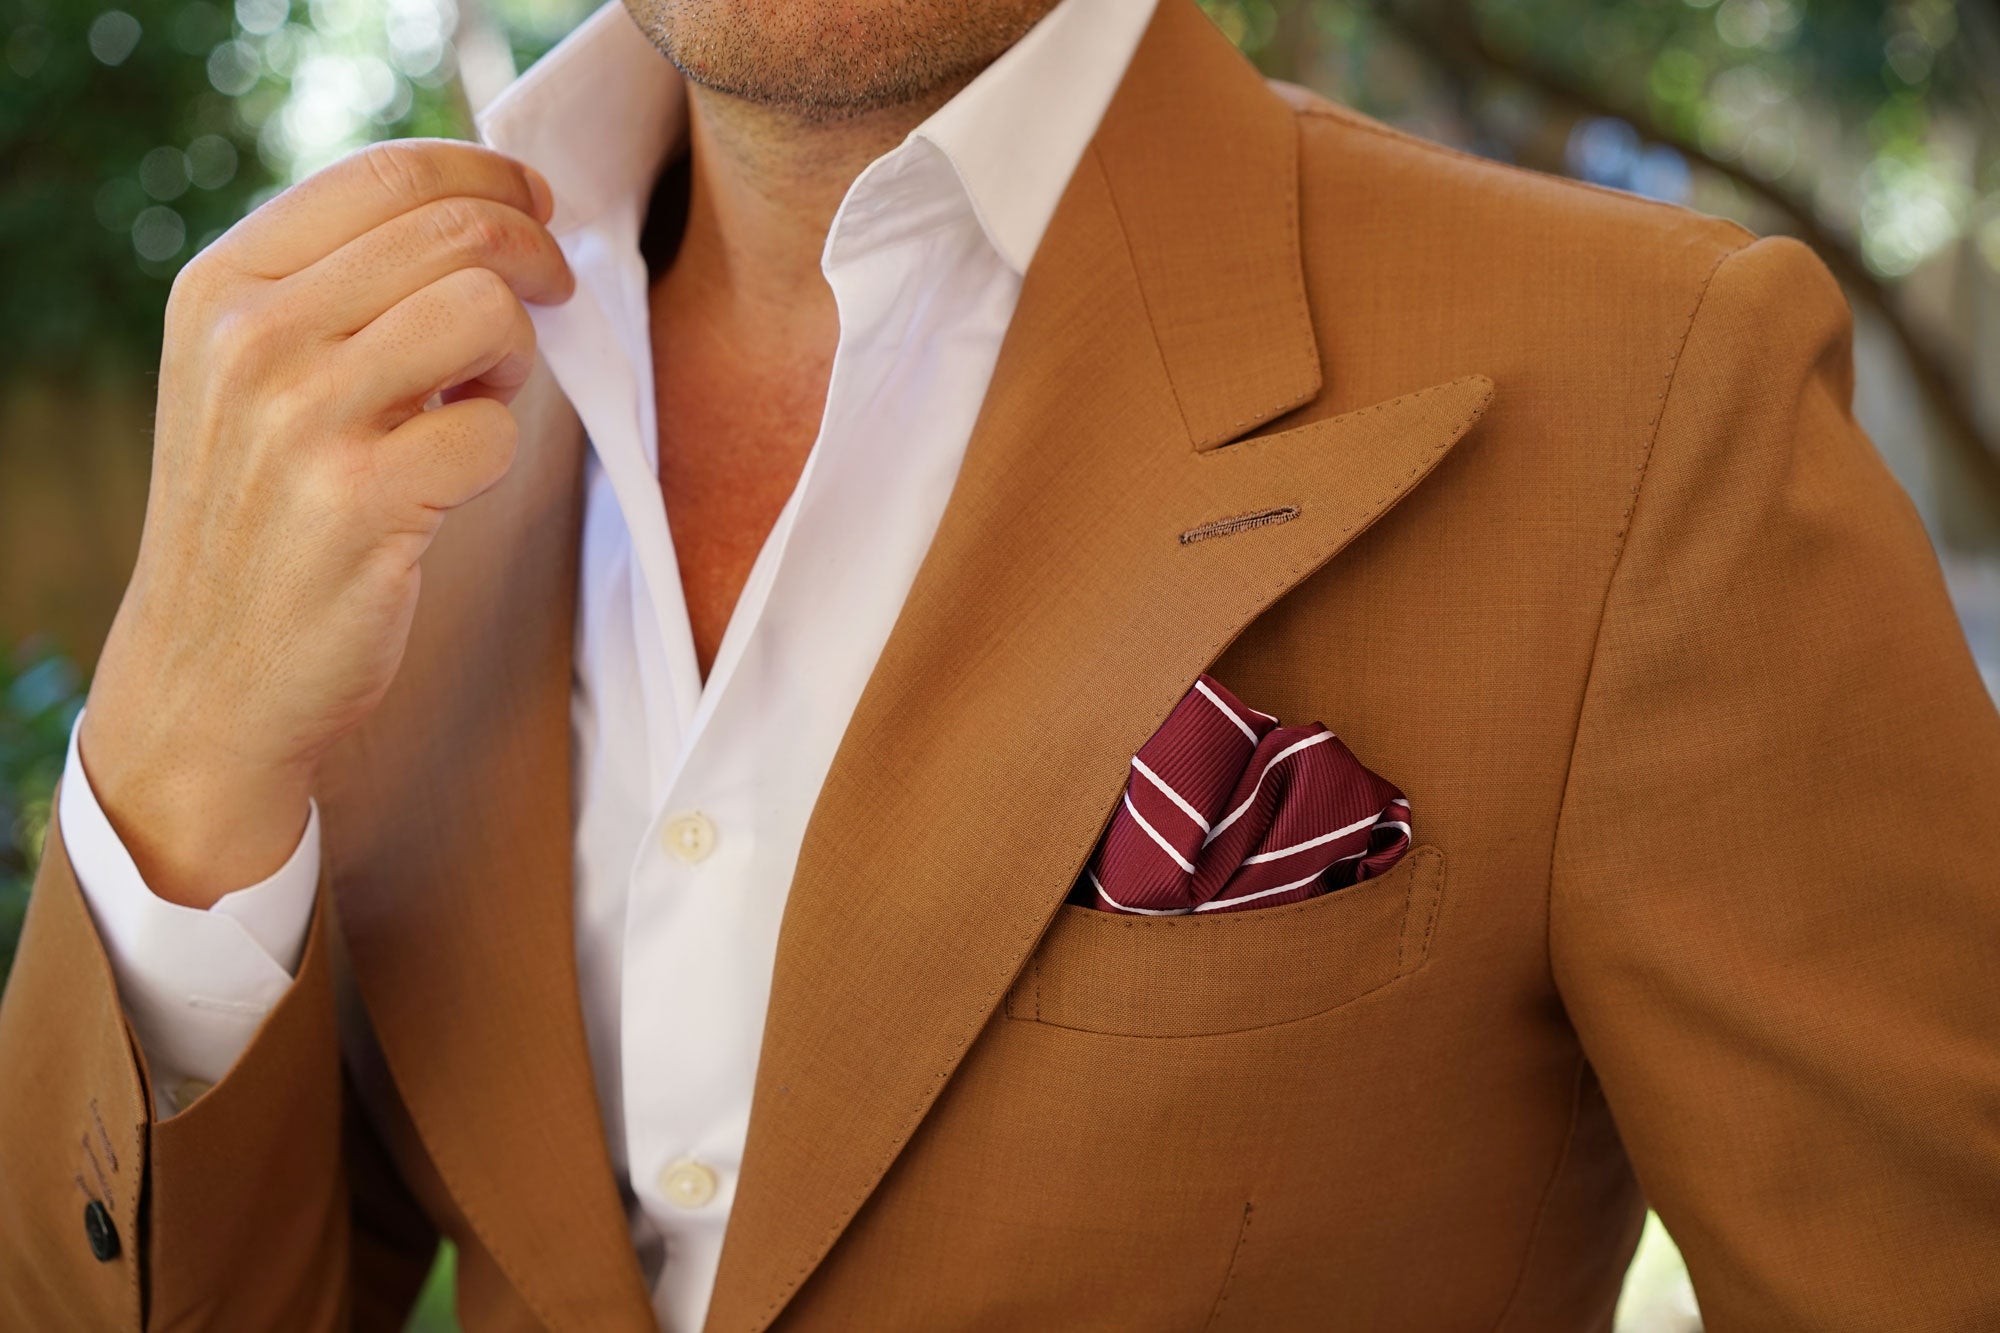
(765, 187)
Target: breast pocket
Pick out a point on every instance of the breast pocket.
(1198, 975)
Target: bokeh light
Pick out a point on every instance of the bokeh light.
(113, 35)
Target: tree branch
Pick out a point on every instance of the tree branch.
(1445, 34)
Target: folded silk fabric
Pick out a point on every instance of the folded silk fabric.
(1226, 810)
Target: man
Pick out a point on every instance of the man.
(932, 395)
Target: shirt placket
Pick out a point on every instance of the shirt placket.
(706, 892)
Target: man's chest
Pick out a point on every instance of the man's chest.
(734, 434)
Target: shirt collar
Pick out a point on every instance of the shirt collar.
(599, 115)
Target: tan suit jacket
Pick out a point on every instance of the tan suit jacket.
(1589, 559)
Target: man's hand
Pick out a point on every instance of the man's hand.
(296, 481)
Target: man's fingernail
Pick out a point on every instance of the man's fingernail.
(544, 197)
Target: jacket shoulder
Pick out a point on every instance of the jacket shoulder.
(1507, 208)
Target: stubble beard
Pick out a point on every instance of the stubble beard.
(825, 61)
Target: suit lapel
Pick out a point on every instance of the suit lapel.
(448, 827)
(1056, 619)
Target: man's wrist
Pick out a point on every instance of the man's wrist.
(197, 827)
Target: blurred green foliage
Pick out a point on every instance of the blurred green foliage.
(436, 1310)
(40, 696)
(132, 134)
(1878, 116)
(119, 158)
(1878, 121)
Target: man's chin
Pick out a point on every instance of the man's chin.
(832, 60)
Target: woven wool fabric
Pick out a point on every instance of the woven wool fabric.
(1228, 810)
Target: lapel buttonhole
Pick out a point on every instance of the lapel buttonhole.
(1223, 527)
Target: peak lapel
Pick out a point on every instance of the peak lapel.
(1057, 618)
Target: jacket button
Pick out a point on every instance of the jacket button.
(98, 1227)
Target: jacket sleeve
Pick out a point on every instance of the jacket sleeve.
(233, 1214)
(1775, 899)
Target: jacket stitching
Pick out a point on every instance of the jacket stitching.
(104, 1135)
(1229, 1274)
(1403, 937)
(1583, 696)
(1335, 1007)
(1296, 308)
(1139, 283)
(1343, 116)
(1435, 858)
(1243, 447)
(1430, 920)
(1604, 601)
(97, 1169)
(1228, 527)
(1548, 1193)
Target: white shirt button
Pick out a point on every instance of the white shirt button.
(687, 1183)
(689, 837)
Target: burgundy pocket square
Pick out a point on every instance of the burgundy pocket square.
(1227, 810)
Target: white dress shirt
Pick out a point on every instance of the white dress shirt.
(692, 798)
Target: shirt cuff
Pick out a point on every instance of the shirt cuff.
(195, 984)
